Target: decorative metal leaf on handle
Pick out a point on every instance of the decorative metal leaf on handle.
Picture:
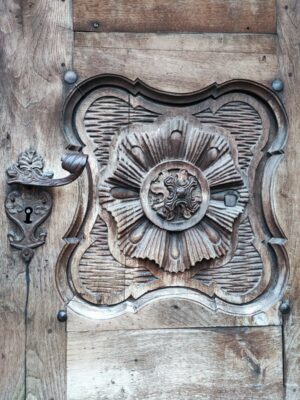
(29, 169)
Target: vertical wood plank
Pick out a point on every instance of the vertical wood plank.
(12, 269)
(46, 338)
(288, 205)
(36, 42)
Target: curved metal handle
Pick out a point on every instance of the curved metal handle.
(28, 206)
(29, 169)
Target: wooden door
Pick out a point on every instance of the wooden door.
(166, 265)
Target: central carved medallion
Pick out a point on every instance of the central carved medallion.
(175, 195)
(172, 193)
(179, 202)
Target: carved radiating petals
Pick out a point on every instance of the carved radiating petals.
(158, 193)
(217, 238)
(222, 172)
(224, 216)
(138, 233)
(225, 261)
(175, 257)
(195, 144)
(145, 241)
(125, 213)
(133, 147)
(205, 242)
(199, 247)
(123, 193)
(217, 147)
(127, 173)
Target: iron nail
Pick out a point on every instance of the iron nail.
(70, 77)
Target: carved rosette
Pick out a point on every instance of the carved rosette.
(177, 199)
(172, 192)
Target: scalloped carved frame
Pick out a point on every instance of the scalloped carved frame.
(273, 282)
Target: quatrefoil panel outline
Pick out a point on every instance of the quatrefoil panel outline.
(267, 235)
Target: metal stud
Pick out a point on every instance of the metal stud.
(62, 316)
(277, 85)
(70, 77)
(285, 307)
(96, 24)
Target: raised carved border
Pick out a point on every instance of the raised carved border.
(275, 153)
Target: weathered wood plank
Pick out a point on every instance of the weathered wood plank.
(181, 16)
(243, 363)
(179, 63)
(53, 53)
(165, 313)
(288, 194)
(12, 269)
(12, 307)
(36, 39)
(215, 42)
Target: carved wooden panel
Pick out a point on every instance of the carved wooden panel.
(178, 195)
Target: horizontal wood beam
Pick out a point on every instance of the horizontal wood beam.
(236, 16)
(177, 63)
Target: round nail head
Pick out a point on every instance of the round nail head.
(277, 85)
(62, 316)
(285, 307)
(96, 24)
(70, 77)
(27, 254)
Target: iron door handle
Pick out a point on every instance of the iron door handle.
(29, 170)
(28, 204)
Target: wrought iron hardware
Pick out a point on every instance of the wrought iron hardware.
(28, 205)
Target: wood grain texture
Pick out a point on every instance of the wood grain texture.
(168, 312)
(246, 266)
(180, 16)
(102, 267)
(215, 42)
(12, 269)
(218, 364)
(288, 192)
(177, 63)
(36, 42)
(152, 220)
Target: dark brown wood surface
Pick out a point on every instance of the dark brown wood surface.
(175, 16)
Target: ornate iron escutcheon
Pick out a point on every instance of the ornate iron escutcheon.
(28, 205)
(179, 196)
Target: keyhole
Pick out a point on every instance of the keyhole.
(28, 212)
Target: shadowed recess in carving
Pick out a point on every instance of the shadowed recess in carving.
(243, 272)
